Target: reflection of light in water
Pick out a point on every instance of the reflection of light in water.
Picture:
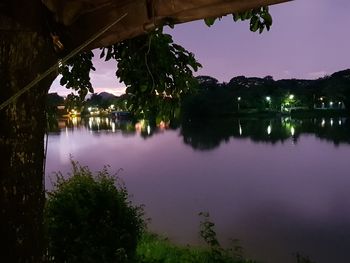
(139, 126)
(113, 126)
(292, 131)
(162, 125)
(331, 122)
(269, 129)
(75, 121)
(240, 129)
(148, 129)
(323, 122)
(66, 131)
(98, 120)
(90, 123)
(339, 122)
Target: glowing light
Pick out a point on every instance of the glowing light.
(321, 99)
(75, 121)
(292, 130)
(148, 130)
(239, 98)
(323, 122)
(291, 96)
(339, 122)
(113, 126)
(89, 109)
(240, 130)
(162, 125)
(269, 129)
(331, 122)
(90, 123)
(331, 103)
(138, 127)
(268, 98)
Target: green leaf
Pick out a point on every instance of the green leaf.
(235, 17)
(102, 53)
(254, 23)
(109, 55)
(63, 81)
(267, 19)
(209, 21)
(261, 28)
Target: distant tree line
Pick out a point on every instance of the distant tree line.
(251, 95)
(241, 95)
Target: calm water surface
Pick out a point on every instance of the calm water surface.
(280, 186)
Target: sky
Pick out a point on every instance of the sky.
(308, 39)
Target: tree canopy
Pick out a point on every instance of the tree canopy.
(156, 71)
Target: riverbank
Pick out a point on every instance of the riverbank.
(155, 249)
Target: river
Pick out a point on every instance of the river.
(281, 186)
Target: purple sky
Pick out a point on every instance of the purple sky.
(308, 39)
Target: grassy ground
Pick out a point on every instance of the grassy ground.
(155, 249)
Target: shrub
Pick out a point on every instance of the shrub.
(89, 218)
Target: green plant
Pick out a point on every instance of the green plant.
(89, 218)
(217, 253)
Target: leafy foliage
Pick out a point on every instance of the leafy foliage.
(156, 71)
(153, 68)
(217, 252)
(260, 19)
(76, 73)
(155, 249)
(89, 219)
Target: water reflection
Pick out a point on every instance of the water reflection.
(276, 197)
(209, 134)
(105, 125)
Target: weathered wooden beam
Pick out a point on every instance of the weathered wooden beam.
(83, 18)
(214, 9)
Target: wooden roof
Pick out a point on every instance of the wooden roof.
(84, 18)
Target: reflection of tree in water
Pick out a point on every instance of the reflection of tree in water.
(206, 134)
(209, 134)
(104, 125)
(336, 130)
(262, 130)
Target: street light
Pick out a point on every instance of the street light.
(268, 99)
(238, 99)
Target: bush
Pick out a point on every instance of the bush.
(89, 219)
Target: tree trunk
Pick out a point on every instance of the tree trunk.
(25, 52)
